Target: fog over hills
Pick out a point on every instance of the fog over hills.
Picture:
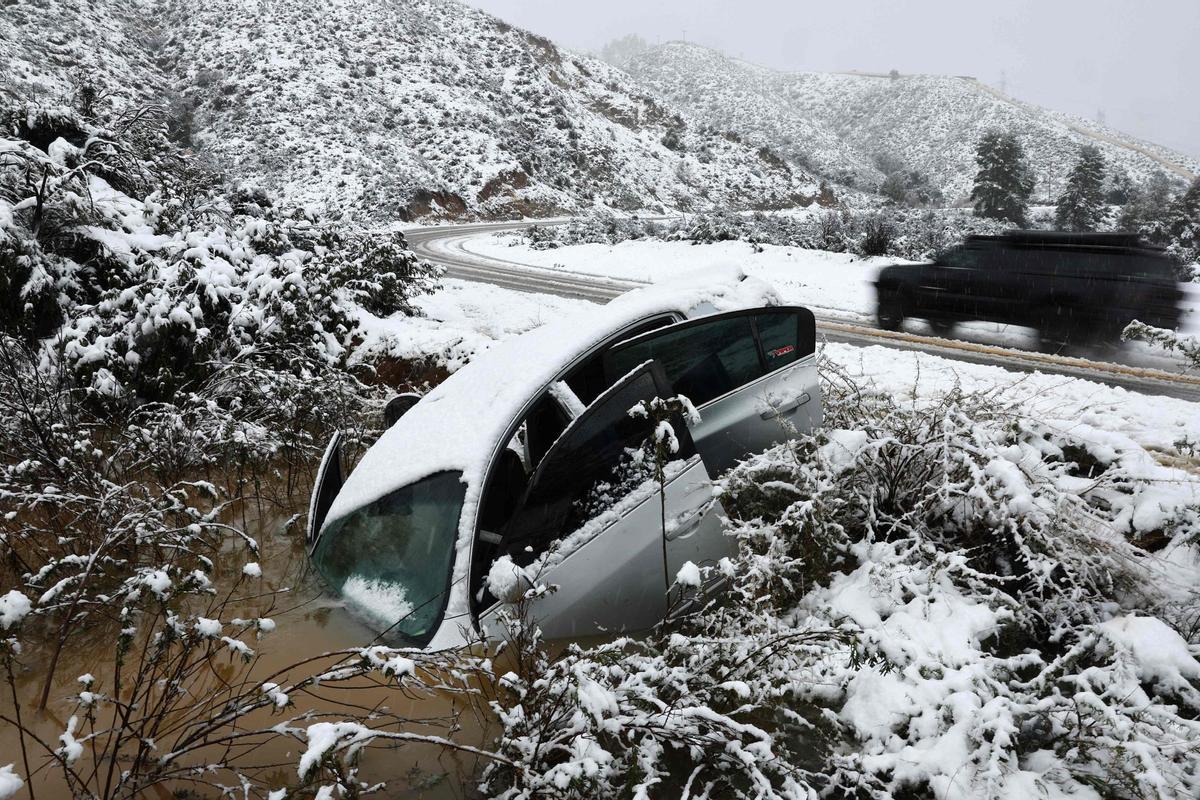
(840, 124)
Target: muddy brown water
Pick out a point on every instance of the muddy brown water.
(309, 622)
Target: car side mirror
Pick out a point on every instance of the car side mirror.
(330, 478)
(398, 406)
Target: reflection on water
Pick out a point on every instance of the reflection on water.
(308, 623)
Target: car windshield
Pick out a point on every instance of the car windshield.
(390, 560)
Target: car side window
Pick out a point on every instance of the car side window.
(589, 379)
(960, 258)
(544, 423)
(591, 468)
(702, 361)
(785, 337)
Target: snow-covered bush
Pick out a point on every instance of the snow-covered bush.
(892, 231)
(1171, 341)
(932, 598)
(597, 227)
(631, 718)
(877, 235)
(148, 285)
(168, 357)
(164, 352)
(993, 562)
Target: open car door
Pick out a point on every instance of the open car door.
(752, 374)
(329, 482)
(592, 520)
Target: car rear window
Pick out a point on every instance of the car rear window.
(780, 336)
(701, 361)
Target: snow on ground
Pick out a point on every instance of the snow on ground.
(1154, 422)
(832, 284)
(837, 283)
(1163, 433)
(460, 319)
(463, 318)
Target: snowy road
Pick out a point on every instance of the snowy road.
(445, 245)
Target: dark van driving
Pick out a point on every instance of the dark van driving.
(1072, 288)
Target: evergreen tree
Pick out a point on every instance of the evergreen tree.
(619, 52)
(1004, 181)
(1120, 189)
(1148, 211)
(1081, 206)
(1185, 225)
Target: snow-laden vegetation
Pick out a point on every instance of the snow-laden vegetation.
(170, 357)
(901, 232)
(387, 111)
(1187, 346)
(935, 596)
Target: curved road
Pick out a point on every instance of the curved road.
(444, 245)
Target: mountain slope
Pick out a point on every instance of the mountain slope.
(392, 109)
(839, 123)
(49, 47)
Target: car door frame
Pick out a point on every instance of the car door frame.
(493, 460)
(771, 411)
(685, 523)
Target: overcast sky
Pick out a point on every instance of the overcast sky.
(1138, 61)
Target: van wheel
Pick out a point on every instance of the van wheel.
(890, 311)
(1057, 329)
(942, 327)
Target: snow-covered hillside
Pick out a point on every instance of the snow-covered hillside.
(388, 109)
(49, 47)
(839, 123)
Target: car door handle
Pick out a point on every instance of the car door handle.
(784, 407)
(686, 527)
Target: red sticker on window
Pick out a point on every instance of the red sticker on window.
(782, 351)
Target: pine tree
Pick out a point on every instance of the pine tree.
(1081, 206)
(1120, 189)
(619, 52)
(1004, 182)
(1148, 211)
(1185, 225)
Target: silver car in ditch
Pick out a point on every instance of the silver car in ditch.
(527, 452)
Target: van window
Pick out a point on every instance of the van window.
(702, 360)
(962, 258)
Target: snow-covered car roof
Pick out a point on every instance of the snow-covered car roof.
(458, 425)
